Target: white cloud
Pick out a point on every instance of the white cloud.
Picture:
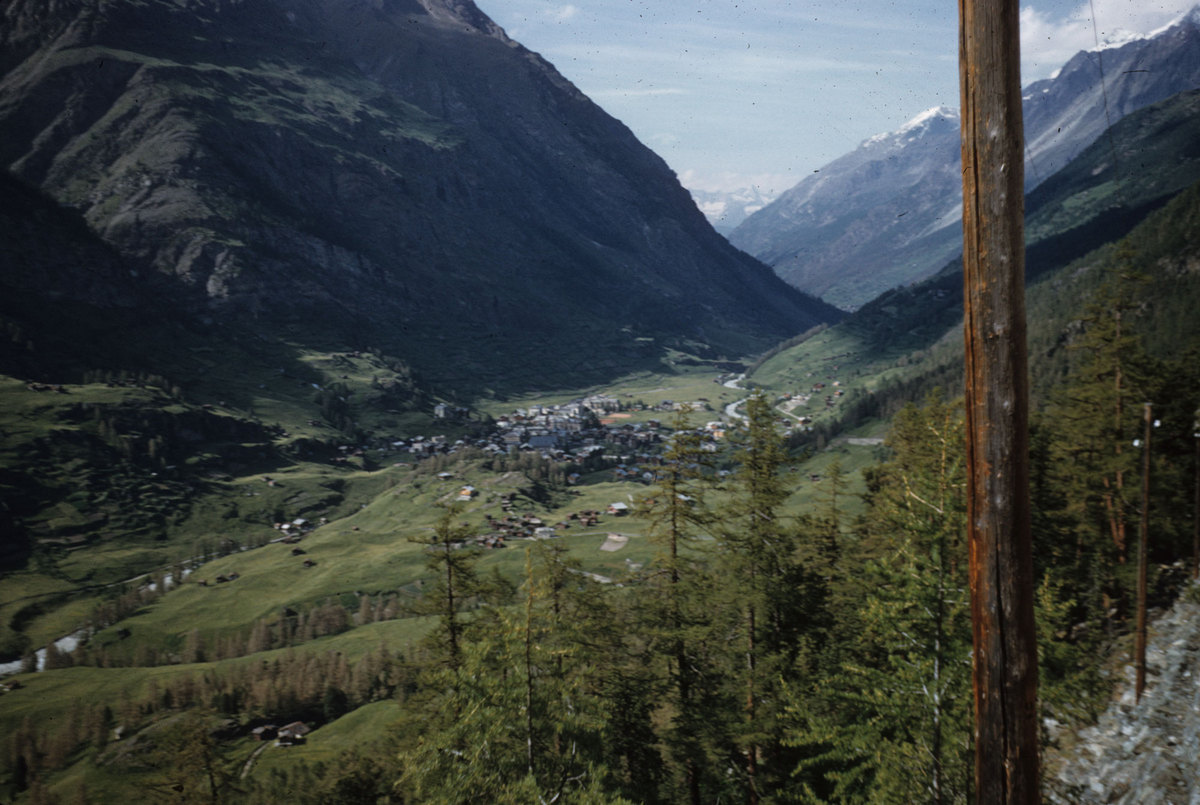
(768, 185)
(562, 13)
(1048, 41)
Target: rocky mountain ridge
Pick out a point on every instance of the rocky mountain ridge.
(399, 174)
(887, 214)
(857, 223)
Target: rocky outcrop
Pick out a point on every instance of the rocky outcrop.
(1145, 752)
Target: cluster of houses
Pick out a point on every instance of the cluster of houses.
(571, 431)
(587, 433)
(577, 430)
(287, 735)
(296, 529)
(832, 392)
(530, 526)
(525, 526)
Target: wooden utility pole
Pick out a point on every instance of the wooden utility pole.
(1139, 643)
(997, 395)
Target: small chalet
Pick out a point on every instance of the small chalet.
(618, 508)
(266, 732)
(293, 733)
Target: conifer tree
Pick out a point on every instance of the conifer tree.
(678, 620)
(1090, 425)
(759, 558)
(901, 726)
(188, 763)
(452, 564)
(520, 717)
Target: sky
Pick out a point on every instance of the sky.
(739, 93)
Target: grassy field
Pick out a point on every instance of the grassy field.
(324, 745)
(373, 513)
(375, 509)
(837, 355)
(684, 383)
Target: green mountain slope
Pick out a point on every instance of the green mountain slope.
(235, 238)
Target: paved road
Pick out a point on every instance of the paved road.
(731, 409)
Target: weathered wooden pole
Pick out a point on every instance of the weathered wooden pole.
(998, 514)
(1139, 642)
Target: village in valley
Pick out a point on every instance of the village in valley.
(607, 442)
(588, 441)
(598, 438)
(543, 470)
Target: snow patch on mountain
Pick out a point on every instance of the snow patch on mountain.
(726, 209)
(916, 127)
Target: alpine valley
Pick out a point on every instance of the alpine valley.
(381, 422)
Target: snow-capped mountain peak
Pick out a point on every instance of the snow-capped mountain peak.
(1121, 37)
(1187, 18)
(887, 212)
(917, 126)
(928, 116)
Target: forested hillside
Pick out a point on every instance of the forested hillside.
(750, 648)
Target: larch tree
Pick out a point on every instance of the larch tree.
(452, 564)
(677, 618)
(900, 725)
(1090, 425)
(758, 561)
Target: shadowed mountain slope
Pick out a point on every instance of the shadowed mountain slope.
(394, 174)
